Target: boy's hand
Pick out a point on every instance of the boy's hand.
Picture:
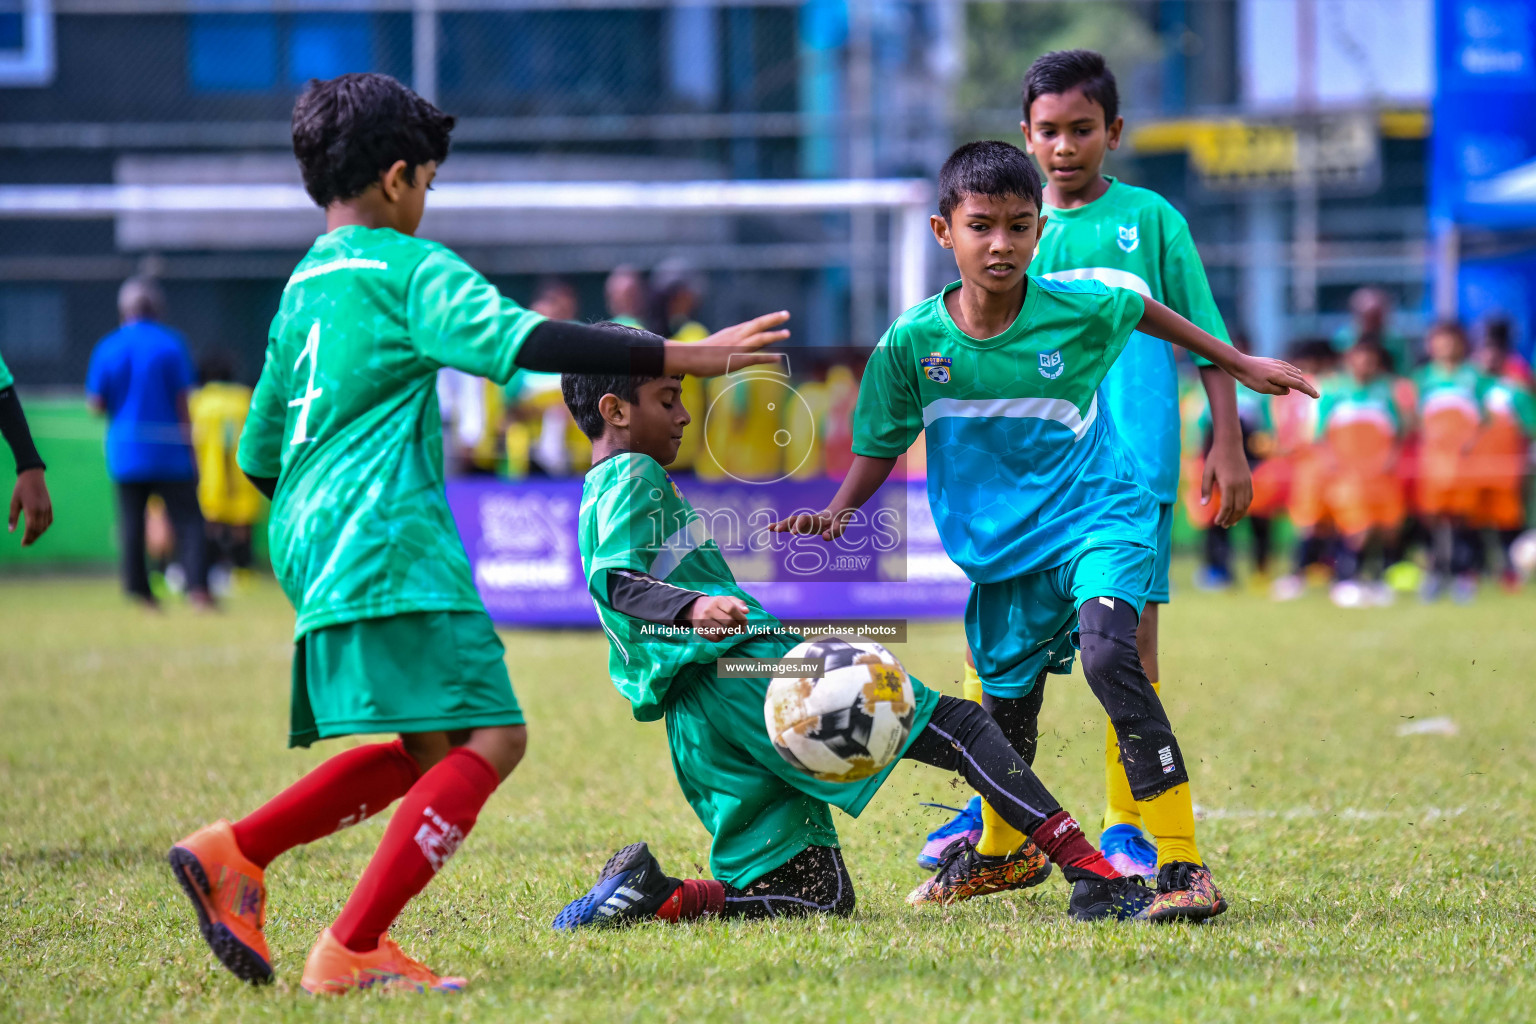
(716, 617)
(1226, 473)
(31, 497)
(731, 349)
(825, 523)
(1269, 376)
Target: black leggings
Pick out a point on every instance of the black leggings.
(960, 737)
(180, 497)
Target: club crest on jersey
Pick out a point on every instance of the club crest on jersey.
(937, 367)
(1051, 364)
(1130, 237)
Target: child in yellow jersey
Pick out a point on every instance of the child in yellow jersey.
(231, 505)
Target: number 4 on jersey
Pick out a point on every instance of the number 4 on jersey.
(312, 353)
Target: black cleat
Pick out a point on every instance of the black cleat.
(1113, 899)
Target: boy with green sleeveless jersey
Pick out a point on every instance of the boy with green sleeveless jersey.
(1033, 494)
(671, 607)
(344, 435)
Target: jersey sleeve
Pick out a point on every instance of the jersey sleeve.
(1110, 319)
(629, 521)
(6, 380)
(1186, 290)
(261, 441)
(457, 318)
(889, 413)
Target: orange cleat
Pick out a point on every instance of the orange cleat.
(229, 894)
(333, 969)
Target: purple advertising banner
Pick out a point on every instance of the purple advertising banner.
(522, 543)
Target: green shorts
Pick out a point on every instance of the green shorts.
(423, 672)
(1020, 627)
(760, 810)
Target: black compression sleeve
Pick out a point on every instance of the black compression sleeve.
(13, 427)
(267, 485)
(560, 346)
(646, 598)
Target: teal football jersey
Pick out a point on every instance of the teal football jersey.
(345, 416)
(6, 380)
(1024, 470)
(1132, 238)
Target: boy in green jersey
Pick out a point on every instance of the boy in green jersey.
(29, 497)
(670, 606)
(1101, 229)
(1032, 492)
(344, 435)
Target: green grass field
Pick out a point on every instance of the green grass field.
(1372, 876)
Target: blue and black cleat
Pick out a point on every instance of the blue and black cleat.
(630, 888)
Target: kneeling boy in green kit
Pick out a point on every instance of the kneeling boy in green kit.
(775, 850)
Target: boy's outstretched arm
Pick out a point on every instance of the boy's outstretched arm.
(1256, 373)
(1226, 465)
(863, 480)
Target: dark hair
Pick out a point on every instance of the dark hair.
(1498, 333)
(217, 365)
(993, 169)
(1061, 71)
(1375, 348)
(1319, 349)
(348, 130)
(583, 391)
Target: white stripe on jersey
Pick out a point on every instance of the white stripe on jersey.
(1057, 410)
(350, 263)
(677, 547)
(1112, 276)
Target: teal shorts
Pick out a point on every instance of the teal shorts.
(759, 809)
(1020, 627)
(422, 672)
(1158, 593)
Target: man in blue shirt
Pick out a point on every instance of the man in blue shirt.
(139, 377)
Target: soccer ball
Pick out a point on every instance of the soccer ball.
(1522, 554)
(850, 723)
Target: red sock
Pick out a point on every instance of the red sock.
(695, 897)
(426, 830)
(1063, 841)
(351, 786)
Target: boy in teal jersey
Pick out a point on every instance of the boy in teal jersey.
(1105, 230)
(29, 497)
(1033, 494)
(670, 607)
(344, 435)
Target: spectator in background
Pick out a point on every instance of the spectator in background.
(625, 293)
(677, 290)
(556, 298)
(1452, 394)
(1370, 319)
(1497, 358)
(140, 376)
(230, 503)
(1294, 419)
(30, 495)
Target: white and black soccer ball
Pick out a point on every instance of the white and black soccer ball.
(850, 722)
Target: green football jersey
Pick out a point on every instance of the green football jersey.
(345, 415)
(1133, 238)
(6, 380)
(1508, 397)
(1463, 389)
(1346, 401)
(634, 517)
(1024, 474)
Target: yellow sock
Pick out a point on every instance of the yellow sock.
(1120, 806)
(1170, 819)
(972, 684)
(998, 838)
